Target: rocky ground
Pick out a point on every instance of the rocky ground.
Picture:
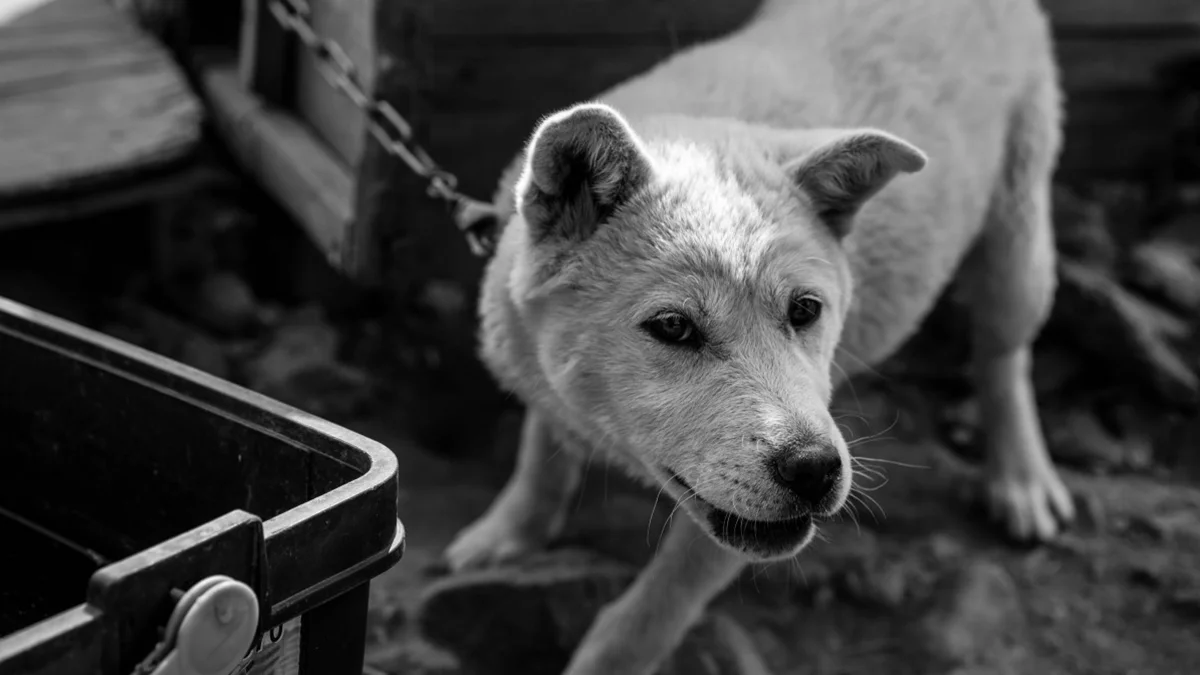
(916, 581)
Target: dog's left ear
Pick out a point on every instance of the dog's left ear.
(581, 165)
(848, 167)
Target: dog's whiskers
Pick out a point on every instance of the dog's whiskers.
(876, 483)
(846, 379)
(587, 467)
(653, 510)
(874, 473)
(866, 468)
(800, 568)
(863, 498)
(851, 512)
(873, 501)
(891, 462)
(857, 497)
(877, 435)
(691, 493)
(866, 366)
(842, 414)
(883, 481)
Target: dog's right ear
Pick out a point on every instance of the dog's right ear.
(581, 165)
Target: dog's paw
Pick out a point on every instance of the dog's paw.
(493, 539)
(1033, 505)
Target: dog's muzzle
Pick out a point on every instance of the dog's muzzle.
(762, 539)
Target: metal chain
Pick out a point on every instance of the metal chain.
(474, 218)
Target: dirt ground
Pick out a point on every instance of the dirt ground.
(918, 582)
(914, 579)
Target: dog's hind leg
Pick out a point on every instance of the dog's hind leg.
(1009, 281)
(532, 507)
(640, 629)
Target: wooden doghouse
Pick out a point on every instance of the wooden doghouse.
(473, 76)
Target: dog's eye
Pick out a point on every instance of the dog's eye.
(672, 328)
(804, 312)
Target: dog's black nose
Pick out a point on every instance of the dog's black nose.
(811, 473)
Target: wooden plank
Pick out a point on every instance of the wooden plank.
(388, 197)
(284, 156)
(23, 45)
(87, 104)
(25, 32)
(54, 69)
(46, 13)
(266, 58)
(1136, 14)
(406, 237)
(332, 115)
(89, 129)
(75, 204)
(613, 21)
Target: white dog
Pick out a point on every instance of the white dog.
(690, 268)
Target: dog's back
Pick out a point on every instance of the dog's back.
(905, 65)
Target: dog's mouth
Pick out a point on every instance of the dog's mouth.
(763, 539)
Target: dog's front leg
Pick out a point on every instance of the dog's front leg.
(638, 631)
(532, 507)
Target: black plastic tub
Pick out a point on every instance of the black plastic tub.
(125, 476)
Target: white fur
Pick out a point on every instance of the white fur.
(723, 219)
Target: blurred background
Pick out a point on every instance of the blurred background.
(245, 187)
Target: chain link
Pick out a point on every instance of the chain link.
(387, 126)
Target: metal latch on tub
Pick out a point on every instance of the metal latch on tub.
(209, 632)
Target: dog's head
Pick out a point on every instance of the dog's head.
(686, 292)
